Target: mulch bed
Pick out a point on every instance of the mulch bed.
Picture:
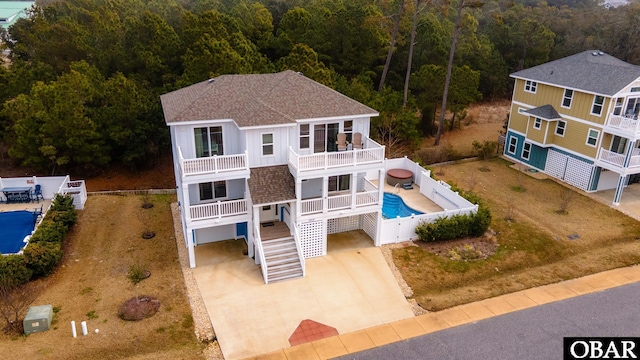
(139, 308)
(486, 244)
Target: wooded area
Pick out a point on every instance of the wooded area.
(82, 83)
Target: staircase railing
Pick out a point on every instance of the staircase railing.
(263, 260)
(296, 239)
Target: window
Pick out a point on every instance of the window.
(208, 141)
(592, 137)
(566, 99)
(513, 145)
(340, 183)
(598, 101)
(214, 190)
(267, 144)
(530, 86)
(304, 136)
(635, 89)
(526, 150)
(348, 129)
(560, 127)
(617, 109)
(537, 123)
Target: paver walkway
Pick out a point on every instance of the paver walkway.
(356, 341)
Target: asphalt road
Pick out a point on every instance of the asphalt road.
(534, 333)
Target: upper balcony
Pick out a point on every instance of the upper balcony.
(212, 165)
(371, 153)
(622, 125)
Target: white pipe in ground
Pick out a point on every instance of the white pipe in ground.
(84, 328)
(73, 329)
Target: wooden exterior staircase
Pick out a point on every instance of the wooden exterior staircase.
(282, 259)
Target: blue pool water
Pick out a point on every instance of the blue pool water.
(393, 206)
(14, 227)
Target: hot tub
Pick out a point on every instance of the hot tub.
(399, 177)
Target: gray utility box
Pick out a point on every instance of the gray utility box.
(38, 319)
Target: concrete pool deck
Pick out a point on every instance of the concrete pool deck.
(413, 198)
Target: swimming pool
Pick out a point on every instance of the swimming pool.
(14, 227)
(393, 206)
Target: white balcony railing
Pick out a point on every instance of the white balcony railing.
(624, 123)
(213, 164)
(218, 209)
(371, 153)
(616, 159)
(339, 202)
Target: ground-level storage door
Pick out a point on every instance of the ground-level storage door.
(556, 164)
(578, 173)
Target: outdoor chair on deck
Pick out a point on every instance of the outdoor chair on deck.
(357, 140)
(342, 142)
(36, 194)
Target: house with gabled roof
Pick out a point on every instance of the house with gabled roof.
(11, 11)
(576, 119)
(281, 162)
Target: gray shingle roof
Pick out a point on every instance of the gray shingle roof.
(546, 112)
(271, 184)
(259, 99)
(600, 73)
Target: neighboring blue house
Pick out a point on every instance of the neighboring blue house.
(11, 11)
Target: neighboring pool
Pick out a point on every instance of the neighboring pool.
(14, 227)
(393, 206)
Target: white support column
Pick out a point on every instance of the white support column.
(296, 212)
(192, 253)
(325, 194)
(250, 239)
(354, 189)
(256, 225)
(619, 188)
(381, 181)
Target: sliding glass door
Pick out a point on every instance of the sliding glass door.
(324, 137)
(208, 141)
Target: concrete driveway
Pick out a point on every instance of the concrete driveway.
(629, 203)
(350, 289)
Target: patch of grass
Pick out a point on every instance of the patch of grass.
(518, 189)
(91, 315)
(86, 290)
(533, 251)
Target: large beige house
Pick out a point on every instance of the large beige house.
(576, 119)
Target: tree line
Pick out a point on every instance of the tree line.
(80, 88)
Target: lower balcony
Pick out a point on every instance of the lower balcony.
(338, 202)
(617, 161)
(218, 210)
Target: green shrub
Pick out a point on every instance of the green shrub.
(42, 258)
(49, 231)
(485, 150)
(67, 217)
(15, 268)
(62, 203)
(457, 226)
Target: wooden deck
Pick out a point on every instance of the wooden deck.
(276, 231)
